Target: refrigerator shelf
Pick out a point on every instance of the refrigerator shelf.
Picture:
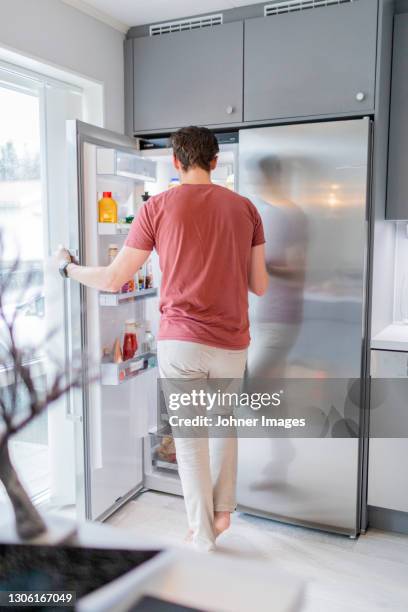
(113, 299)
(156, 442)
(119, 373)
(113, 163)
(113, 229)
(165, 465)
(160, 430)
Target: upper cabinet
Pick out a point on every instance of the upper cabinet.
(397, 196)
(312, 62)
(184, 78)
(304, 63)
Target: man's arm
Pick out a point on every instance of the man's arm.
(258, 279)
(107, 278)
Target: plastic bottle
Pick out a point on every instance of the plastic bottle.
(129, 286)
(122, 213)
(112, 252)
(108, 208)
(149, 275)
(129, 340)
(149, 340)
(230, 182)
(141, 279)
(117, 352)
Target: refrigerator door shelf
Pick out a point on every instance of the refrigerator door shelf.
(119, 373)
(111, 162)
(164, 465)
(113, 229)
(114, 299)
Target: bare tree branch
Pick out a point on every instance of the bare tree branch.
(21, 398)
(15, 363)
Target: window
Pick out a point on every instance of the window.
(33, 215)
(21, 216)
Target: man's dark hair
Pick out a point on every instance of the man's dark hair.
(194, 146)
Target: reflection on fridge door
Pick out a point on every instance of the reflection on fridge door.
(309, 184)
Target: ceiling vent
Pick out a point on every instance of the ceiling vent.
(195, 23)
(289, 6)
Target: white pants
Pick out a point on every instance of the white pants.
(207, 466)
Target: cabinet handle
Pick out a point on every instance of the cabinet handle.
(360, 96)
(229, 110)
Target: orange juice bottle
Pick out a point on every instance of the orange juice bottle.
(108, 208)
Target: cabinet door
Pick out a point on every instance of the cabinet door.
(187, 78)
(313, 62)
(397, 197)
(388, 448)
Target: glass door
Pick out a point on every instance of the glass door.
(32, 176)
(22, 231)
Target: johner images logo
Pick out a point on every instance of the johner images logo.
(312, 408)
(200, 408)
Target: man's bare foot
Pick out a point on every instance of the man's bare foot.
(222, 521)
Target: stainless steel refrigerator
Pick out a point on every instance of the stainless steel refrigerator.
(310, 185)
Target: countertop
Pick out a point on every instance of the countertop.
(210, 581)
(392, 338)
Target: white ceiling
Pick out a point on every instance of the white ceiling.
(125, 13)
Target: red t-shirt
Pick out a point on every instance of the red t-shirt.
(203, 235)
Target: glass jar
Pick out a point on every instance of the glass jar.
(129, 340)
(149, 341)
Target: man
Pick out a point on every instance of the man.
(210, 243)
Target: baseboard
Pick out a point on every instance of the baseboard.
(388, 520)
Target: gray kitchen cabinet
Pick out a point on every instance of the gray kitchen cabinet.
(313, 62)
(191, 77)
(397, 188)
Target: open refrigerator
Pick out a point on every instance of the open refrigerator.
(313, 198)
(119, 449)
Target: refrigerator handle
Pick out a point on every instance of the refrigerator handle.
(69, 401)
(74, 254)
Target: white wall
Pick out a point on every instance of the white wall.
(59, 34)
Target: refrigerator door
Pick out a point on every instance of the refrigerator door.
(309, 183)
(110, 421)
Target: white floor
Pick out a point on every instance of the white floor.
(366, 575)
